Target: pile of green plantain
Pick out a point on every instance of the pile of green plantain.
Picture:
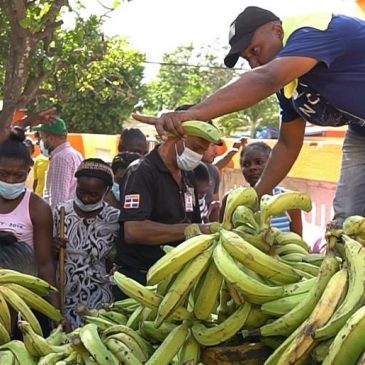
(245, 294)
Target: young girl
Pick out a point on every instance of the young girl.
(253, 161)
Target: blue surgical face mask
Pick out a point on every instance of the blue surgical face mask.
(11, 191)
(88, 207)
(116, 191)
(188, 160)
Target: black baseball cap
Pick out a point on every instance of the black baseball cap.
(242, 30)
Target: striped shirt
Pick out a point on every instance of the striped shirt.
(60, 176)
(204, 212)
(281, 222)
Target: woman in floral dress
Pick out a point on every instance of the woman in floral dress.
(91, 228)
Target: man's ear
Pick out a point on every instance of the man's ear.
(172, 141)
(278, 30)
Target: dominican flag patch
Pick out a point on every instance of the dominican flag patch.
(131, 201)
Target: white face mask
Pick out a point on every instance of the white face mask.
(88, 207)
(43, 149)
(116, 191)
(188, 160)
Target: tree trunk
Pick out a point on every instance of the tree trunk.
(20, 87)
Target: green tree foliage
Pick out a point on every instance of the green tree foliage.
(186, 76)
(105, 95)
(264, 113)
(94, 81)
(98, 82)
(27, 29)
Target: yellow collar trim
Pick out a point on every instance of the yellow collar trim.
(319, 21)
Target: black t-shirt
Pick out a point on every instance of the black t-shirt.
(214, 182)
(149, 192)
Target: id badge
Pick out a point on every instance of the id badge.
(188, 202)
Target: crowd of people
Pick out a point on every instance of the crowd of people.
(117, 215)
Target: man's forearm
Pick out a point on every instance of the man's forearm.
(279, 164)
(23, 123)
(282, 156)
(43, 116)
(247, 90)
(252, 87)
(152, 233)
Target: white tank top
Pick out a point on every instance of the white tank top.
(18, 221)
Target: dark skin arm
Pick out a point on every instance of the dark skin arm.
(296, 224)
(41, 216)
(282, 157)
(261, 82)
(44, 116)
(223, 207)
(214, 209)
(35, 183)
(152, 233)
(247, 90)
(110, 199)
(222, 161)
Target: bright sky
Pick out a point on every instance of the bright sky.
(158, 26)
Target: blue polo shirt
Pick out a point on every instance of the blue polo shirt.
(333, 92)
